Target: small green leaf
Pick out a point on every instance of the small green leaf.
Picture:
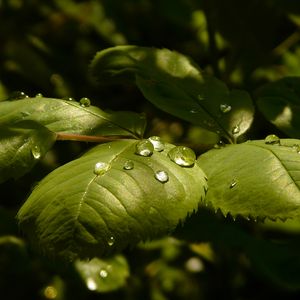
(72, 117)
(175, 84)
(279, 102)
(21, 146)
(97, 205)
(103, 275)
(244, 179)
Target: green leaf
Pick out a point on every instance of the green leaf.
(244, 179)
(279, 102)
(104, 275)
(21, 146)
(70, 117)
(175, 84)
(109, 199)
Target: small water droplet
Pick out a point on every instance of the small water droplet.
(85, 102)
(182, 156)
(17, 95)
(162, 176)
(111, 241)
(39, 95)
(225, 108)
(128, 165)
(233, 184)
(200, 97)
(236, 129)
(220, 144)
(272, 139)
(103, 273)
(101, 168)
(194, 111)
(36, 152)
(69, 98)
(144, 148)
(157, 143)
(296, 147)
(91, 284)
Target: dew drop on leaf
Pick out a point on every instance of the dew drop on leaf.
(103, 273)
(144, 148)
(18, 95)
(272, 139)
(296, 147)
(101, 168)
(128, 165)
(85, 102)
(200, 97)
(182, 156)
(162, 176)
(69, 98)
(39, 95)
(111, 241)
(157, 143)
(91, 284)
(36, 152)
(233, 184)
(225, 108)
(236, 129)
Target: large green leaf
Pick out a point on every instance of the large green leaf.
(109, 199)
(255, 179)
(176, 85)
(103, 275)
(280, 103)
(72, 117)
(21, 146)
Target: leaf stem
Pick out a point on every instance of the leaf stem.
(61, 136)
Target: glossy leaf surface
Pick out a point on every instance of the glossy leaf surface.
(95, 205)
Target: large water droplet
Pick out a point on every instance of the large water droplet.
(162, 176)
(144, 148)
(128, 165)
(36, 152)
(111, 241)
(39, 95)
(272, 139)
(236, 129)
(103, 273)
(182, 156)
(225, 108)
(233, 184)
(101, 168)
(91, 284)
(85, 102)
(157, 143)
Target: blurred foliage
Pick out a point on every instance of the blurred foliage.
(46, 47)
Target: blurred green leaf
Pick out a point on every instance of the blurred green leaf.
(104, 275)
(21, 146)
(72, 117)
(255, 179)
(108, 199)
(175, 84)
(279, 102)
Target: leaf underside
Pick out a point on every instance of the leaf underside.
(176, 85)
(244, 179)
(75, 213)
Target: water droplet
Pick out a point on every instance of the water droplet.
(36, 152)
(194, 265)
(200, 97)
(157, 143)
(236, 129)
(182, 156)
(162, 176)
(91, 284)
(85, 102)
(144, 148)
(220, 144)
(103, 273)
(101, 168)
(194, 111)
(39, 95)
(296, 147)
(272, 139)
(233, 184)
(111, 241)
(225, 108)
(128, 165)
(17, 95)
(69, 98)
